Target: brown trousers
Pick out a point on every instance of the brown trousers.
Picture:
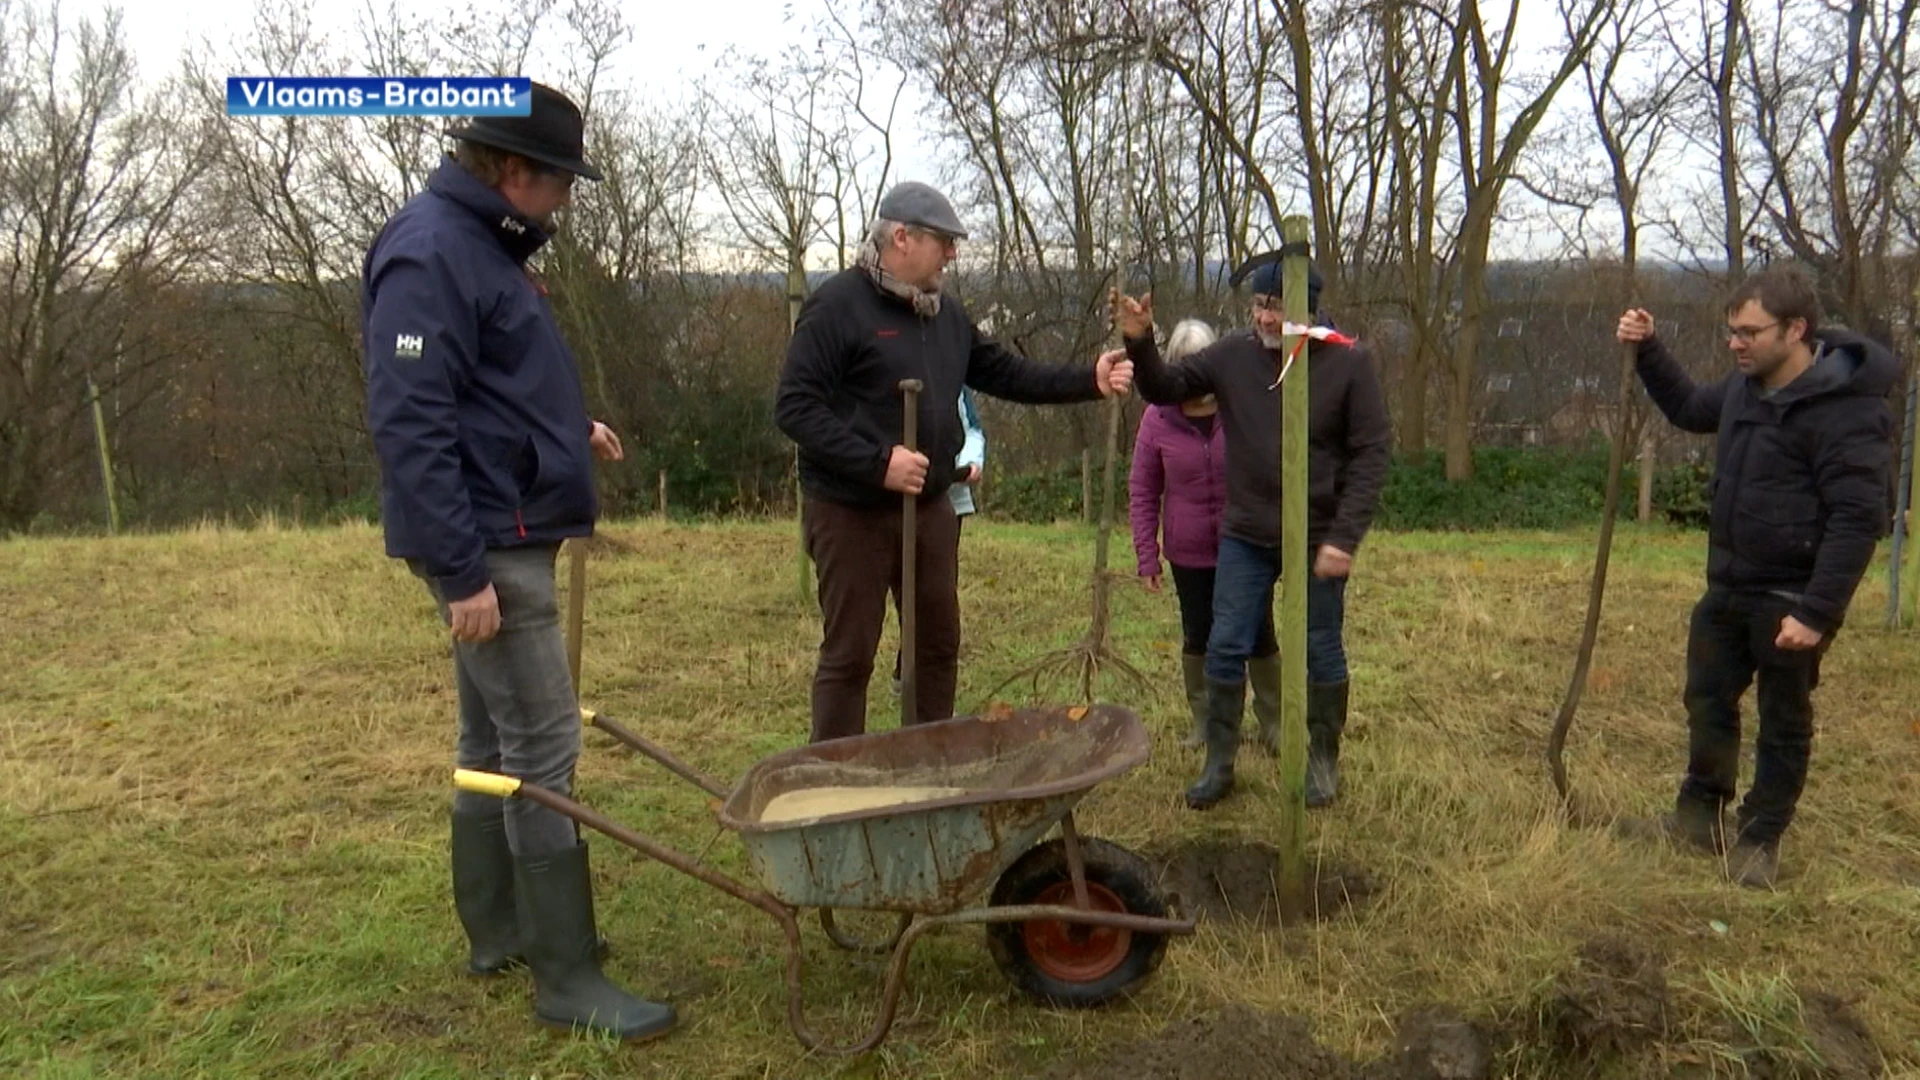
(856, 553)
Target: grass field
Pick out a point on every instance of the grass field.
(223, 778)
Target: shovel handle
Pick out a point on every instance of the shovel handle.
(909, 518)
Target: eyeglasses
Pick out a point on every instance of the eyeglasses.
(1746, 334)
(939, 238)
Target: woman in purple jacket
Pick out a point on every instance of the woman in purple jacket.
(1180, 460)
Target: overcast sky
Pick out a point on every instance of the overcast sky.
(677, 41)
(667, 48)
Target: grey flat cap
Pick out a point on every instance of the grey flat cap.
(914, 203)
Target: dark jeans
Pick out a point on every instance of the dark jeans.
(518, 711)
(1729, 642)
(856, 553)
(1193, 585)
(1243, 600)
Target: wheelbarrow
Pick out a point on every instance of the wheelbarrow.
(963, 805)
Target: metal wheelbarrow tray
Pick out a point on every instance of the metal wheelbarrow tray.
(1074, 921)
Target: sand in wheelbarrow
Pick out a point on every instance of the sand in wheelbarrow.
(1235, 881)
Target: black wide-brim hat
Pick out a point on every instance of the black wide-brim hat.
(553, 134)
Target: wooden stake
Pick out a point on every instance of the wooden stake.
(1292, 879)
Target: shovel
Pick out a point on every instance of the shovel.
(909, 518)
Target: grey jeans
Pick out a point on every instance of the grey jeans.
(518, 711)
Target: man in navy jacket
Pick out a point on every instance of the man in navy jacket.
(1800, 483)
(486, 453)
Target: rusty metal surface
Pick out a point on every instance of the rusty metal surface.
(897, 968)
(1021, 773)
(641, 744)
(1076, 866)
(784, 916)
(853, 944)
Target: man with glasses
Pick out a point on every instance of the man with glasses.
(866, 329)
(486, 454)
(1349, 441)
(1801, 471)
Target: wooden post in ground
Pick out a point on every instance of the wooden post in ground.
(1912, 572)
(106, 457)
(1911, 584)
(1086, 486)
(1292, 878)
(1646, 475)
(1903, 502)
(576, 607)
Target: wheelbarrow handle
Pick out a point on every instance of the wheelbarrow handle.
(505, 787)
(642, 745)
(486, 783)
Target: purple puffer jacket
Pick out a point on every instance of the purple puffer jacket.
(1171, 459)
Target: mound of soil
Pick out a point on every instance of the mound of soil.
(1437, 1043)
(1841, 1039)
(1838, 1046)
(1243, 1043)
(1613, 1001)
(1229, 881)
(1238, 1041)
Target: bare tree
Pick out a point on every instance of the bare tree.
(1821, 90)
(1420, 58)
(92, 197)
(1708, 39)
(1489, 151)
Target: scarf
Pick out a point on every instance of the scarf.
(925, 304)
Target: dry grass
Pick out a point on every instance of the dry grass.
(223, 758)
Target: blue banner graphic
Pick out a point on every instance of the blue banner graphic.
(277, 95)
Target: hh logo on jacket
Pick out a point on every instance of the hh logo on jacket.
(409, 346)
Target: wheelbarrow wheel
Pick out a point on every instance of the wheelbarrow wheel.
(1077, 966)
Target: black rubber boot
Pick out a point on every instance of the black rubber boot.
(483, 889)
(1326, 719)
(1263, 676)
(1693, 826)
(1193, 676)
(1755, 864)
(1225, 703)
(557, 927)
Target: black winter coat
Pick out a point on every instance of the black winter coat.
(839, 395)
(1800, 478)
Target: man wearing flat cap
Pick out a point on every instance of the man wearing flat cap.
(486, 454)
(1349, 440)
(859, 335)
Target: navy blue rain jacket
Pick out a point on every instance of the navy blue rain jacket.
(473, 398)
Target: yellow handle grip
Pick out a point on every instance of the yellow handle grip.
(587, 717)
(485, 783)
